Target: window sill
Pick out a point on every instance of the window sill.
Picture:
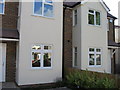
(94, 25)
(35, 15)
(95, 66)
(42, 68)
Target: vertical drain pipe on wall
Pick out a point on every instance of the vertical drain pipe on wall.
(64, 8)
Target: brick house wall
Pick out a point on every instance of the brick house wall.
(10, 61)
(8, 25)
(9, 19)
(67, 38)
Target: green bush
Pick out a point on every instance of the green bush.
(85, 79)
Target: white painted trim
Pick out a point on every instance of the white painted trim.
(3, 61)
(101, 1)
(42, 51)
(7, 39)
(95, 53)
(113, 47)
(42, 15)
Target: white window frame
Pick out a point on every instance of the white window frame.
(74, 20)
(3, 2)
(43, 3)
(95, 53)
(94, 17)
(42, 51)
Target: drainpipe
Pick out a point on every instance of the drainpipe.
(64, 8)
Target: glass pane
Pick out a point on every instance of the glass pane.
(91, 19)
(38, 7)
(91, 59)
(91, 49)
(48, 1)
(36, 59)
(1, 7)
(97, 18)
(91, 11)
(75, 49)
(36, 47)
(48, 10)
(98, 59)
(75, 61)
(47, 47)
(98, 50)
(47, 59)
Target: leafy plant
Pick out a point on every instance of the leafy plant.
(85, 79)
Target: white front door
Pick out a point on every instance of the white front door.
(2, 61)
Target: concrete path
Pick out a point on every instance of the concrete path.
(12, 86)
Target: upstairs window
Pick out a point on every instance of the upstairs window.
(94, 57)
(94, 17)
(75, 17)
(2, 6)
(43, 8)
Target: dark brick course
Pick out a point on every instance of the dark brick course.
(10, 61)
(67, 38)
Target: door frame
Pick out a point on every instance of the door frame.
(3, 61)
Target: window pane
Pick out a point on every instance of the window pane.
(48, 10)
(48, 1)
(47, 47)
(75, 16)
(91, 49)
(47, 59)
(38, 7)
(98, 50)
(98, 59)
(75, 57)
(1, 7)
(36, 59)
(97, 18)
(91, 59)
(91, 19)
(36, 47)
(91, 11)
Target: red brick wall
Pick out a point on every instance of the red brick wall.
(9, 18)
(67, 38)
(10, 61)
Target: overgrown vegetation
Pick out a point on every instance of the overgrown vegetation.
(87, 79)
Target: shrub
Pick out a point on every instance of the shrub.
(85, 79)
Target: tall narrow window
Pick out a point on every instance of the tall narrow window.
(41, 56)
(75, 56)
(43, 8)
(75, 17)
(2, 4)
(94, 57)
(94, 17)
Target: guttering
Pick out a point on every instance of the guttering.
(7, 39)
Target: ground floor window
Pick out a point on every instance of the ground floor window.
(41, 56)
(75, 56)
(95, 56)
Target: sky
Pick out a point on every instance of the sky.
(113, 5)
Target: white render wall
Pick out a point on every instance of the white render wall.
(92, 36)
(39, 30)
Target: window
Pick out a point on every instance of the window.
(41, 56)
(75, 56)
(43, 8)
(93, 17)
(75, 17)
(94, 57)
(2, 6)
